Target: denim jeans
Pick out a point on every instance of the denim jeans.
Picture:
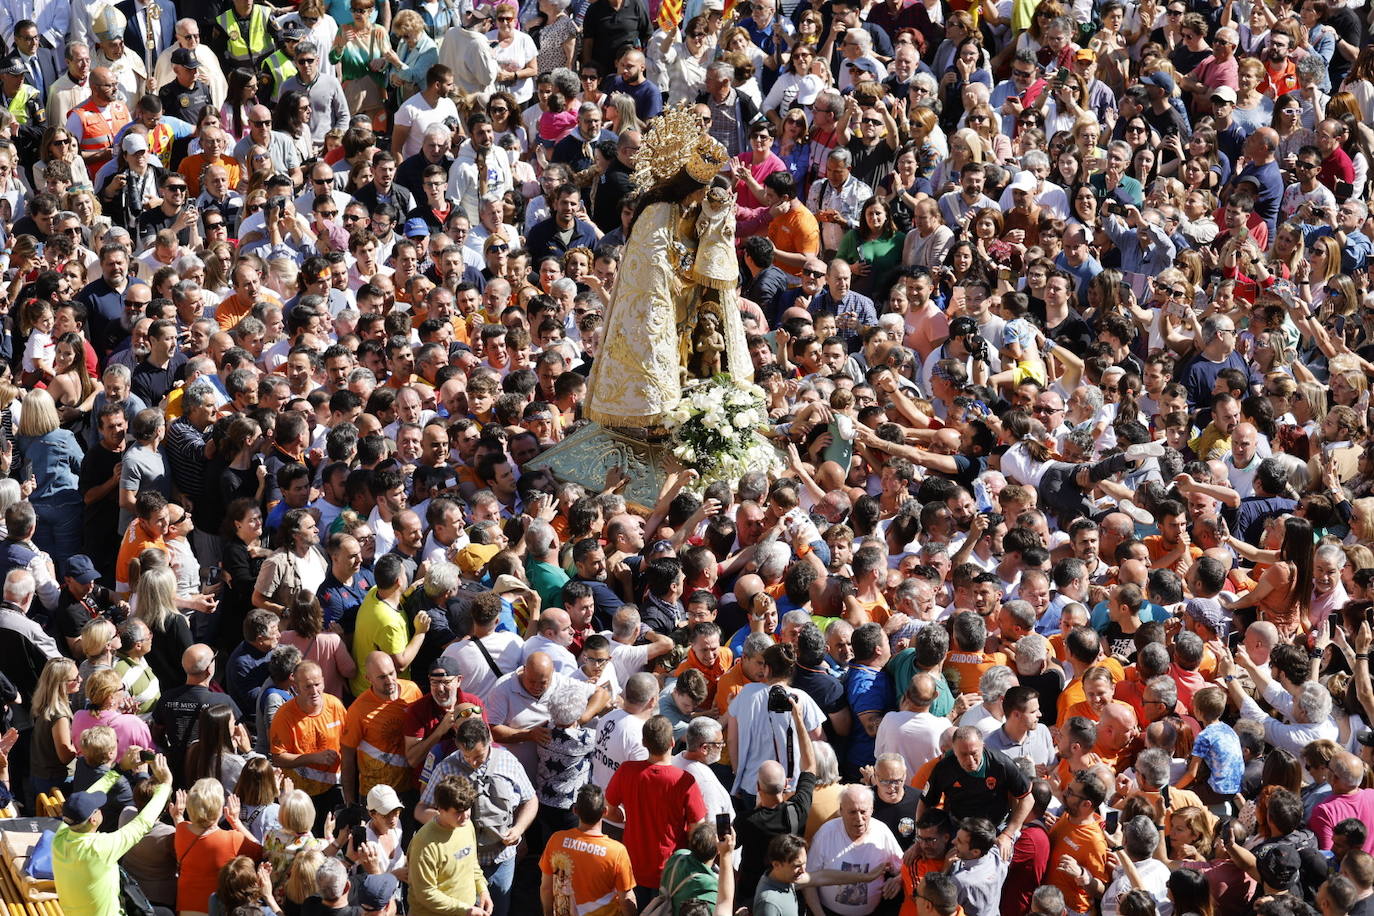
(499, 880)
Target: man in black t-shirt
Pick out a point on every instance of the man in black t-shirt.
(99, 482)
(177, 712)
(894, 803)
(976, 781)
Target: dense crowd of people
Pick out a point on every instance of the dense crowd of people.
(1058, 601)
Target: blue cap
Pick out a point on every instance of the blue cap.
(82, 569)
(79, 808)
(415, 227)
(376, 891)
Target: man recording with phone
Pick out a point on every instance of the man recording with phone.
(176, 212)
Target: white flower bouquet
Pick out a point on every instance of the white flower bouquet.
(713, 430)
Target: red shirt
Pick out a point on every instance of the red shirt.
(1336, 167)
(422, 717)
(667, 804)
(1030, 859)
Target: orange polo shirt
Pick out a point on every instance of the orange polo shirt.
(134, 542)
(725, 659)
(1073, 693)
(796, 231)
(233, 309)
(192, 167)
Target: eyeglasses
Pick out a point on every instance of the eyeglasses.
(260, 123)
(813, 274)
(1174, 12)
(498, 249)
(1135, 128)
(1047, 410)
(1306, 165)
(592, 660)
(328, 214)
(63, 141)
(874, 122)
(977, 119)
(1023, 74)
(436, 184)
(505, 18)
(180, 188)
(696, 34)
(351, 217)
(213, 226)
(307, 60)
(589, 76)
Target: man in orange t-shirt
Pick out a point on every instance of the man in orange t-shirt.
(305, 738)
(584, 870)
(707, 655)
(793, 229)
(966, 656)
(373, 742)
(149, 529)
(1168, 548)
(248, 290)
(1078, 846)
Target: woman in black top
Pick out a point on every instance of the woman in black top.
(237, 471)
(241, 560)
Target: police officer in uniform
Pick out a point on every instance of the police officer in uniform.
(281, 65)
(25, 103)
(246, 34)
(184, 96)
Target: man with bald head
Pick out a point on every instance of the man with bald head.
(1117, 729)
(279, 147)
(305, 738)
(1261, 149)
(518, 706)
(553, 636)
(373, 743)
(95, 122)
(913, 732)
(1242, 462)
(177, 712)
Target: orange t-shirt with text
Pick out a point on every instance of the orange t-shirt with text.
(1086, 845)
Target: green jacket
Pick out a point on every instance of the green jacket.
(85, 865)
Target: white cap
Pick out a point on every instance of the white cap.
(134, 143)
(383, 799)
(1024, 181)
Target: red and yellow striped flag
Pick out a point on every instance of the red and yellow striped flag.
(669, 14)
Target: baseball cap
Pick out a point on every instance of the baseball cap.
(443, 666)
(81, 805)
(474, 557)
(1024, 181)
(383, 799)
(376, 891)
(134, 143)
(414, 228)
(863, 63)
(1159, 81)
(1278, 865)
(82, 569)
(1225, 93)
(1085, 54)
(185, 57)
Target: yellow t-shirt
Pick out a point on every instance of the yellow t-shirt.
(444, 875)
(381, 628)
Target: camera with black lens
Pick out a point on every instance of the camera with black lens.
(779, 700)
(977, 347)
(277, 203)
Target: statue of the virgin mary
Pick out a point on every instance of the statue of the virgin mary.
(674, 315)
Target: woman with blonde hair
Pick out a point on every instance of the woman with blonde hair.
(619, 111)
(965, 146)
(55, 459)
(219, 260)
(99, 642)
(156, 596)
(360, 50)
(300, 884)
(203, 847)
(413, 53)
(294, 836)
(988, 125)
(1253, 109)
(1287, 250)
(1189, 834)
(1323, 262)
(105, 702)
(52, 750)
